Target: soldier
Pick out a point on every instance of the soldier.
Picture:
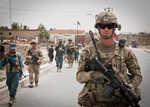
(60, 51)
(124, 63)
(13, 62)
(33, 60)
(70, 52)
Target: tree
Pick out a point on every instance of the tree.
(4, 28)
(16, 26)
(43, 32)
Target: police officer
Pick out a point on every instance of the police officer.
(33, 60)
(124, 63)
(13, 62)
(70, 52)
(60, 51)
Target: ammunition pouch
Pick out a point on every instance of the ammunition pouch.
(117, 97)
(86, 98)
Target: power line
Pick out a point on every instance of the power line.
(18, 9)
(4, 8)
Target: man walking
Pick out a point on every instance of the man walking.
(60, 51)
(70, 52)
(33, 60)
(13, 62)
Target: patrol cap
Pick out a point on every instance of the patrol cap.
(12, 45)
(33, 42)
(69, 39)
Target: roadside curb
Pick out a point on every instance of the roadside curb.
(4, 89)
(147, 50)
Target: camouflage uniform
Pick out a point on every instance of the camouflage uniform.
(34, 66)
(123, 61)
(70, 53)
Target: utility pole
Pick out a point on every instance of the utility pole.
(10, 13)
(76, 39)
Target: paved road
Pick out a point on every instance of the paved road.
(144, 58)
(55, 90)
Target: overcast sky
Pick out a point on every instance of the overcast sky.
(133, 15)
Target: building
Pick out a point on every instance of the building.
(55, 35)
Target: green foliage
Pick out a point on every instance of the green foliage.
(16, 26)
(43, 32)
(4, 28)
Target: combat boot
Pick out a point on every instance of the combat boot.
(59, 69)
(36, 84)
(13, 99)
(71, 64)
(31, 85)
(10, 103)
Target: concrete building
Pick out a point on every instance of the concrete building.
(55, 35)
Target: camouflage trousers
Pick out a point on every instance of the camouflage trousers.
(33, 70)
(100, 104)
(70, 58)
(109, 105)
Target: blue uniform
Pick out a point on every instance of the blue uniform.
(12, 71)
(60, 51)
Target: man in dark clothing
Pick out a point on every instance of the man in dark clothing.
(51, 54)
(13, 63)
(60, 50)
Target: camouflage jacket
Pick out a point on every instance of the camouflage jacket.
(69, 49)
(36, 55)
(123, 59)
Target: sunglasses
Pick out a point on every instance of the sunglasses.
(109, 26)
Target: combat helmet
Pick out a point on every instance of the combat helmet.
(105, 18)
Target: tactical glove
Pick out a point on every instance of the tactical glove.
(84, 77)
(90, 74)
(117, 97)
(99, 78)
(131, 87)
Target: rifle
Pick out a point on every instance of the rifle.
(34, 58)
(114, 83)
(12, 64)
